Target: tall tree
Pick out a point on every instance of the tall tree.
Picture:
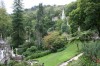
(17, 23)
(48, 20)
(39, 26)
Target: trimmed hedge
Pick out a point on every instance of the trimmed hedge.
(37, 55)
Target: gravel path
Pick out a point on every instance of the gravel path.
(74, 58)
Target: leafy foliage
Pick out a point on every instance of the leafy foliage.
(70, 7)
(30, 51)
(54, 41)
(5, 23)
(38, 54)
(93, 55)
(86, 15)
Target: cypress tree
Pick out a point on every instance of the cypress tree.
(17, 23)
(39, 26)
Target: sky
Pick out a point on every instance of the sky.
(31, 3)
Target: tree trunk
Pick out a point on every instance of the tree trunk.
(39, 39)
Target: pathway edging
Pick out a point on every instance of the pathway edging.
(72, 59)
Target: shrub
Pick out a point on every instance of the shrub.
(92, 52)
(37, 55)
(22, 64)
(12, 63)
(54, 41)
(59, 42)
(15, 63)
(2, 64)
(27, 53)
(49, 39)
(30, 50)
(23, 48)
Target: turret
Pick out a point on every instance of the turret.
(63, 15)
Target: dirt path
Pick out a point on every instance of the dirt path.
(74, 58)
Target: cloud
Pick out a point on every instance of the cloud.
(31, 3)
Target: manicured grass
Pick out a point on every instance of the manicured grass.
(55, 59)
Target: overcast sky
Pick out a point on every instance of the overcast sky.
(31, 3)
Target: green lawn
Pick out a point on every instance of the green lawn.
(55, 59)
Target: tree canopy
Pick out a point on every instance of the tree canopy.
(86, 15)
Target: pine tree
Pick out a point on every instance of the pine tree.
(17, 23)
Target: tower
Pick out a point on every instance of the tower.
(63, 15)
(2, 4)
